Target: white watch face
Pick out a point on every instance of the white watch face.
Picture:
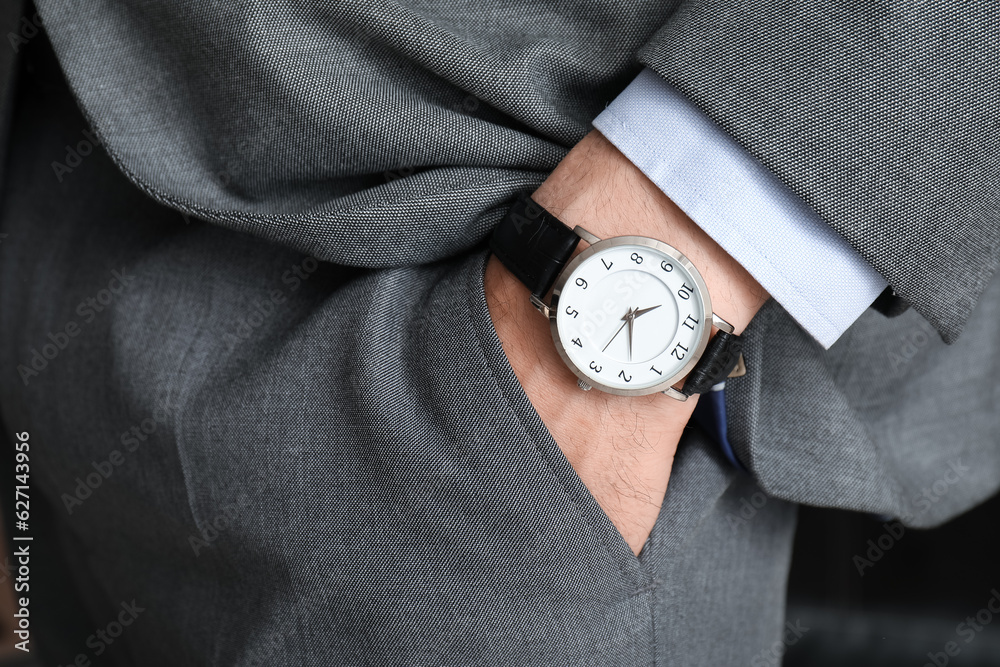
(630, 315)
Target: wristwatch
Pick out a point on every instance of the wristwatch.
(630, 315)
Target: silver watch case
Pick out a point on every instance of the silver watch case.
(596, 246)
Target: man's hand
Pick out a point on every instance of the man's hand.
(621, 446)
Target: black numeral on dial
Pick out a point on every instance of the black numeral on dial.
(636, 257)
(607, 264)
(666, 266)
(577, 342)
(627, 378)
(572, 311)
(690, 322)
(685, 291)
(676, 353)
(581, 282)
(594, 367)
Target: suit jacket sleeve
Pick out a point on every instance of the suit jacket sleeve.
(882, 116)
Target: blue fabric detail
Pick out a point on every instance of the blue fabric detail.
(710, 413)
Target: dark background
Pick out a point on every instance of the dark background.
(907, 604)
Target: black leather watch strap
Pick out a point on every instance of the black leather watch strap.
(715, 365)
(533, 244)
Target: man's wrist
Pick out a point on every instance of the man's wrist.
(596, 187)
(621, 446)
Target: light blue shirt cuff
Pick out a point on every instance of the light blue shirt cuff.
(807, 267)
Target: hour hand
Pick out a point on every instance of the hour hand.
(630, 321)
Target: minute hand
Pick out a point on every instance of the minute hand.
(643, 311)
(626, 319)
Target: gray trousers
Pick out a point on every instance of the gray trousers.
(310, 466)
(289, 461)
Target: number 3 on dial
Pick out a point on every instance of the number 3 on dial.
(629, 315)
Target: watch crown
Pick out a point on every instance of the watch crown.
(583, 385)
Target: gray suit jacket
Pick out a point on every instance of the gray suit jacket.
(331, 462)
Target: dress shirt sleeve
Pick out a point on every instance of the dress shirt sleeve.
(804, 264)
